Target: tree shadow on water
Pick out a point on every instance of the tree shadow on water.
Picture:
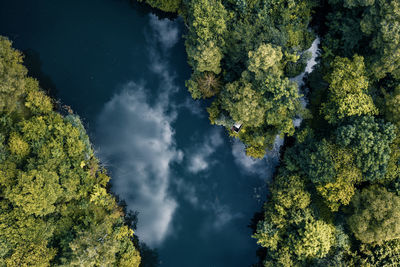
(261, 252)
(149, 256)
(144, 9)
(33, 63)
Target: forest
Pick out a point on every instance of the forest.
(335, 197)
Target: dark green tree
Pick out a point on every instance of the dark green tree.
(370, 140)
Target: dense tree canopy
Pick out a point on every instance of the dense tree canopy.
(262, 98)
(12, 75)
(346, 156)
(370, 140)
(376, 215)
(348, 90)
(290, 231)
(369, 28)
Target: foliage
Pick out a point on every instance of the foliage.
(261, 99)
(331, 168)
(209, 85)
(165, 5)
(385, 254)
(348, 95)
(382, 22)
(392, 106)
(292, 69)
(376, 215)
(370, 139)
(348, 152)
(265, 60)
(205, 42)
(207, 19)
(341, 188)
(12, 76)
(242, 53)
(290, 231)
(315, 240)
(369, 28)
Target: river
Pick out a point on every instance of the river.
(122, 69)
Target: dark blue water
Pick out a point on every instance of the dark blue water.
(122, 69)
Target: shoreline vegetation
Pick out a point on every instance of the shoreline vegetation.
(243, 54)
(56, 207)
(335, 197)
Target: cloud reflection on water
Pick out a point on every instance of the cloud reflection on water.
(165, 31)
(136, 139)
(200, 157)
(264, 167)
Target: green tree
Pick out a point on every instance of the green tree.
(12, 76)
(266, 59)
(370, 141)
(288, 198)
(100, 245)
(206, 57)
(18, 146)
(165, 5)
(315, 240)
(331, 168)
(317, 161)
(392, 106)
(376, 216)
(289, 231)
(244, 104)
(339, 190)
(262, 100)
(205, 41)
(36, 100)
(348, 90)
(369, 28)
(385, 254)
(24, 238)
(35, 192)
(381, 21)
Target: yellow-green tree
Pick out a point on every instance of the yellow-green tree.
(12, 76)
(376, 216)
(262, 100)
(165, 5)
(348, 90)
